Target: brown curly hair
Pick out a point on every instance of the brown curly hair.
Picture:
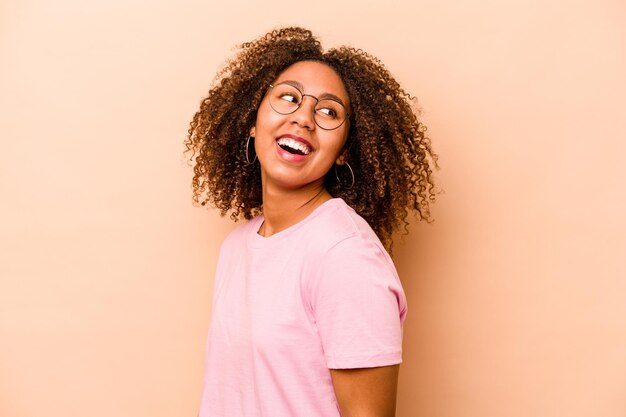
(387, 147)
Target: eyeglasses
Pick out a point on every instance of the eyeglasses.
(285, 98)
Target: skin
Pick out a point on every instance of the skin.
(293, 189)
(366, 392)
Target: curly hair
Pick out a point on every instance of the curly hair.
(387, 146)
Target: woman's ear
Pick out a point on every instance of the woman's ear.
(343, 157)
(253, 131)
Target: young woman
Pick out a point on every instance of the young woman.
(323, 155)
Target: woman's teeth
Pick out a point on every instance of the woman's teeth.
(293, 146)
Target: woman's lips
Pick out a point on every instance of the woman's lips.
(288, 156)
(300, 148)
(293, 146)
(303, 142)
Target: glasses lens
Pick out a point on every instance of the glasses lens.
(329, 114)
(285, 98)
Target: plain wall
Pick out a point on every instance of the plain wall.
(517, 291)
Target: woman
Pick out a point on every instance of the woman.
(323, 155)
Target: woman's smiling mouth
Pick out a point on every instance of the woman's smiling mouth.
(294, 145)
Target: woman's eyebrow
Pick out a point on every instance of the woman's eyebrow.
(296, 84)
(331, 97)
(323, 96)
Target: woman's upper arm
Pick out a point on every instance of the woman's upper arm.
(366, 392)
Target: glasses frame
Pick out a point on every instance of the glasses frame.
(302, 101)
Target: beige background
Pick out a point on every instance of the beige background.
(517, 292)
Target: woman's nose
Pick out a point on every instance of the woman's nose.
(304, 116)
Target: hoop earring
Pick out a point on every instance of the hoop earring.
(248, 153)
(351, 173)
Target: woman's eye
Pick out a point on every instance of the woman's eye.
(290, 98)
(328, 112)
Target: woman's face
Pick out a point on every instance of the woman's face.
(293, 150)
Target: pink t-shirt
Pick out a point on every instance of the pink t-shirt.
(321, 294)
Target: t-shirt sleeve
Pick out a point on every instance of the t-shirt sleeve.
(358, 306)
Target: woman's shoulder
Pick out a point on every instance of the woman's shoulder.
(339, 225)
(346, 249)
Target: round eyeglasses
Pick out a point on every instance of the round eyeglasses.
(286, 98)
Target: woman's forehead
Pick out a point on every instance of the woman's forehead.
(316, 78)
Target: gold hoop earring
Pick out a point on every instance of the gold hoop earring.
(248, 152)
(351, 174)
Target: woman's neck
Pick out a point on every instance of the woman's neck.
(283, 209)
